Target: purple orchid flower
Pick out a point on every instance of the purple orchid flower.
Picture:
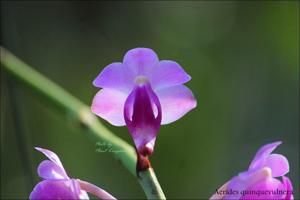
(142, 93)
(260, 182)
(58, 185)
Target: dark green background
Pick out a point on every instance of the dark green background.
(243, 59)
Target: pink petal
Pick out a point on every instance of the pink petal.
(115, 76)
(262, 154)
(50, 170)
(140, 117)
(288, 187)
(219, 192)
(109, 104)
(167, 73)
(278, 164)
(52, 156)
(78, 190)
(235, 184)
(93, 189)
(175, 102)
(260, 188)
(140, 61)
(54, 189)
(245, 180)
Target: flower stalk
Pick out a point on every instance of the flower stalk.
(148, 180)
(81, 115)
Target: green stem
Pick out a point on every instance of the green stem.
(81, 115)
(150, 184)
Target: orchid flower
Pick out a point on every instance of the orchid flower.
(259, 181)
(142, 93)
(58, 185)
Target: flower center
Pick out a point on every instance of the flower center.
(141, 80)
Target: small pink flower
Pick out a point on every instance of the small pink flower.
(259, 181)
(58, 185)
(142, 93)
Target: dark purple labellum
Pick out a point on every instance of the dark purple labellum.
(142, 113)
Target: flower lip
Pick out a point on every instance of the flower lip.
(141, 120)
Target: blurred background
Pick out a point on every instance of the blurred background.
(244, 63)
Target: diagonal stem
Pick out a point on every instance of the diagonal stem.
(150, 184)
(81, 115)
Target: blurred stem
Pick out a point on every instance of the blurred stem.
(81, 115)
(22, 145)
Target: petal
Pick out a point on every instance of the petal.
(245, 180)
(140, 61)
(262, 153)
(109, 104)
(115, 76)
(288, 187)
(54, 189)
(50, 170)
(235, 184)
(175, 102)
(142, 120)
(167, 73)
(278, 164)
(93, 189)
(52, 156)
(266, 189)
(220, 193)
(78, 190)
